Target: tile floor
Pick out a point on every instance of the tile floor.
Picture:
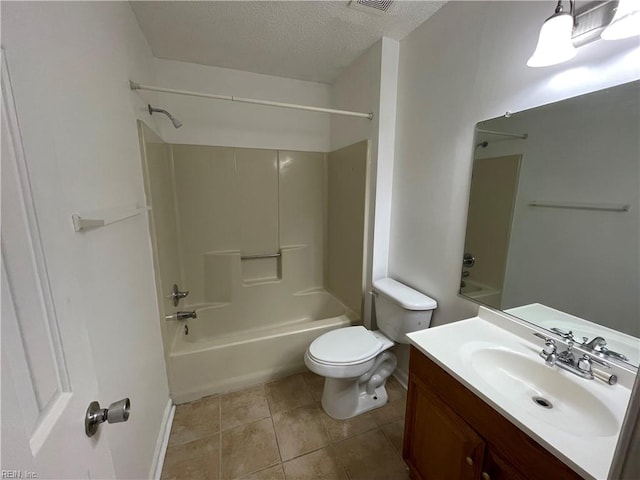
(279, 431)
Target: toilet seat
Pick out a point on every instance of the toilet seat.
(345, 346)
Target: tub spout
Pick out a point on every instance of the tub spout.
(182, 315)
(186, 315)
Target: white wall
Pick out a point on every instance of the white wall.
(369, 84)
(70, 64)
(465, 64)
(232, 124)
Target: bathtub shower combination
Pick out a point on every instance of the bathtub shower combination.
(261, 334)
(269, 245)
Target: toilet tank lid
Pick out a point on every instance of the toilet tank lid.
(404, 296)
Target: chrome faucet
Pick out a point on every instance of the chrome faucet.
(567, 357)
(182, 315)
(596, 345)
(186, 315)
(567, 360)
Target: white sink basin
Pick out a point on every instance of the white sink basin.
(498, 359)
(543, 392)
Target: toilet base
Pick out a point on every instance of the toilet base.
(340, 401)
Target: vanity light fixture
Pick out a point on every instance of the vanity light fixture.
(554, 43)
(563, 31)
(625, 23)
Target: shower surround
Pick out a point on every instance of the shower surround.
(215, 212)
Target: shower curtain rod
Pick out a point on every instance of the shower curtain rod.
(139, 86)
(523, 136)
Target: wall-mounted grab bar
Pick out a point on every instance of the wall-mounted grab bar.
(607, 207)
(263, 255)
(522, 136)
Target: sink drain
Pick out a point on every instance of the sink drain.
(542, 402)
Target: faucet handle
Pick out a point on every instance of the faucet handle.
(176, 295)
(549, 343)
(549, 350)
(584, 364)
(550, 346)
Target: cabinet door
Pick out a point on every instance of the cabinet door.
(497, 468)
(439, 444)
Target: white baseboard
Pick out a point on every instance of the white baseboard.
(237, 383)
(163, 441)
(402, 377)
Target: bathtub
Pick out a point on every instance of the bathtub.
(219, 355)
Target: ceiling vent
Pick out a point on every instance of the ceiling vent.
(378, 7)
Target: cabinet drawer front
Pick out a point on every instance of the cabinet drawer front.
(441, 444)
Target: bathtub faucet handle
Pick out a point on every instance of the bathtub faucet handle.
(176, 295)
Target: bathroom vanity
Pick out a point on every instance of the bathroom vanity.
(451, 433)
(478, 408)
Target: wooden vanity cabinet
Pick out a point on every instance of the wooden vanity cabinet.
(452, 434)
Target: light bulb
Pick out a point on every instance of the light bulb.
(554, 44)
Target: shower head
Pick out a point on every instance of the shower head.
(176, 123)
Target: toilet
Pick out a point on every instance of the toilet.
(357, 362)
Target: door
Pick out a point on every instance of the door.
(439, 445)
(48, 376)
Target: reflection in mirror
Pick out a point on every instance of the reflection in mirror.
(553, 226)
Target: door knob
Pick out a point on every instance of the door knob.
(116, 413)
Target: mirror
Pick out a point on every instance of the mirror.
(553, 229)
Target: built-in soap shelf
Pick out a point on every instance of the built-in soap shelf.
(85, 222)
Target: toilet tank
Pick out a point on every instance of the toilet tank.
(401, 309)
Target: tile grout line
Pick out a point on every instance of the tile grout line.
(392, 445)
(220, 436)
(250, 423)
(318, 405)
(273, 425)
(332, 441)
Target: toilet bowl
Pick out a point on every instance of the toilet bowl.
(356, 362)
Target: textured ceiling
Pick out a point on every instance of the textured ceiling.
(308, 40)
